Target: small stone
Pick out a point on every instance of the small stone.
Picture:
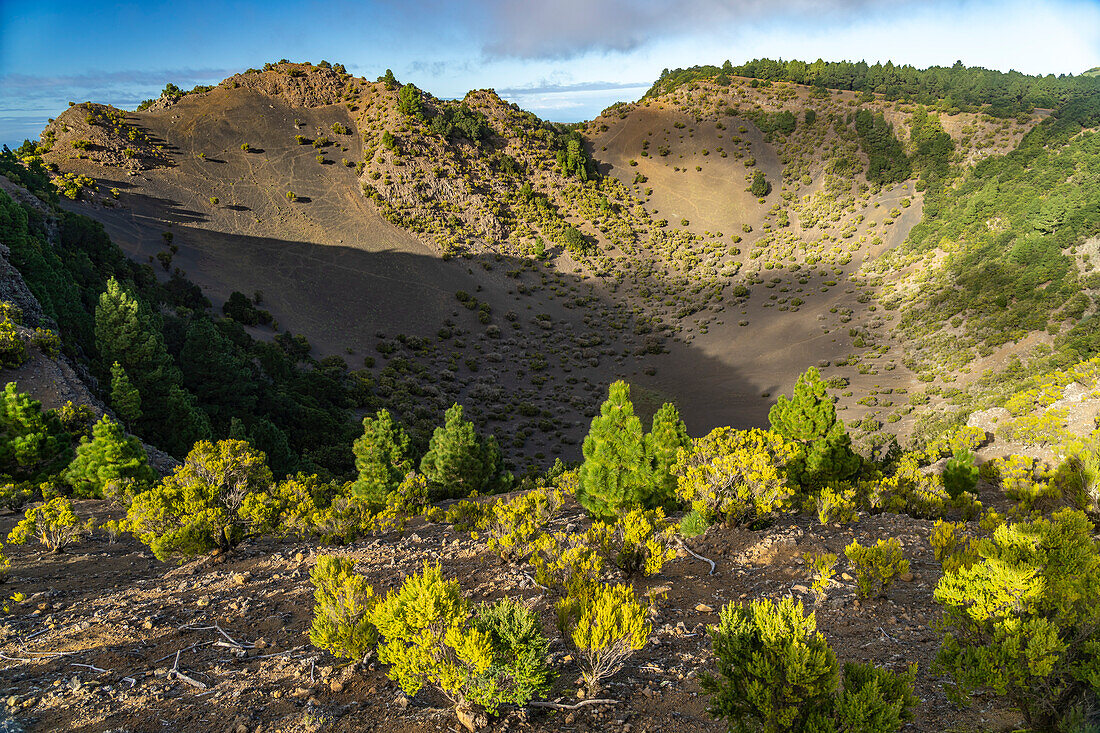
(704, 608)
(401, 701)
(569, 718)
(845, 576)
(298, 557)
(906, 577)
(147, 625)
(336, 686)
(800, 589)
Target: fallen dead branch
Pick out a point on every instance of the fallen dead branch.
(689, 551)
(576, 706)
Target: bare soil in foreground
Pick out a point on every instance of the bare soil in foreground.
(96, 645)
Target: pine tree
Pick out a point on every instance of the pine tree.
(458, 463)
(615, 474)
(809, 418)
(125, 397)
(110, 464)
(127, 332)
(216, 374)
(381, 458)
(666, 437)
(32, 443)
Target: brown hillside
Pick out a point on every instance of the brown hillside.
(750, 290)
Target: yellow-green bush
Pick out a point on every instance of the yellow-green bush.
(342, 604)
(738, 476)
(606, 625)
(53, 524)
(1024, 620)
(822, 566)
(204, 504)
(566, 562)
(13, 352)
(429, 635)
(468, 515)
(1078, 479)
(876, 565)
(516, 525)
(638, 543)
(952, 549)
(1023, 480)
(909, 490)
(836, 504)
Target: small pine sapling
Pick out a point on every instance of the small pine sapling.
(960, 475)
(876, 566)
(342, 604)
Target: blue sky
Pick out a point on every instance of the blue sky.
(564, 60)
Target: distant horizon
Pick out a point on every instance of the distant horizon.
(565, 61)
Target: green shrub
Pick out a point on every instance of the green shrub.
(960, 474)
(1024, 620)
(876, 566)
(342, 604)
(874, 700)
(430, 636)
(777, 674)
(13, 352)
(208, 503)
(53, 524)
